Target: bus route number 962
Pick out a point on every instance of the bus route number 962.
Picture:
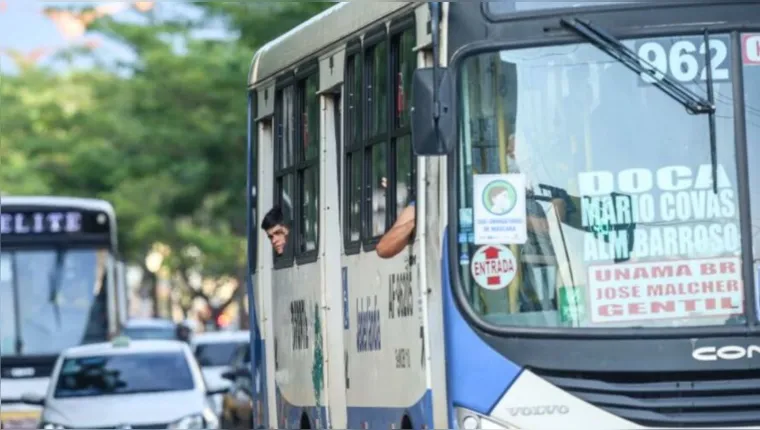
(684, 59)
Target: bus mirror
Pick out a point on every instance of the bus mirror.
(432, 134)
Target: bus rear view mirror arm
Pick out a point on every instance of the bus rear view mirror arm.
(433, 123)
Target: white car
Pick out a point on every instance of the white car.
(215, 352)
(146, 384)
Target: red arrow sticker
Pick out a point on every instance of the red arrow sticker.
(493, 267)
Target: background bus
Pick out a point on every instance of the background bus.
(621, 291)
(61, 285)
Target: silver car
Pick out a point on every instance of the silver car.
(128, 384)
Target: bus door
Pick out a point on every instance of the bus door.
(382, 322)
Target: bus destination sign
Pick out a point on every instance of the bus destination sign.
(53, 222)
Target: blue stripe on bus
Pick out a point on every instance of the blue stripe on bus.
(476, 375)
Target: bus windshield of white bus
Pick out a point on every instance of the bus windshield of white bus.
(52, 299)
(586, 194)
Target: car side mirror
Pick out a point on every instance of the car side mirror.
(33, 399)
(212, 391)
(229, 375)
(431, 136)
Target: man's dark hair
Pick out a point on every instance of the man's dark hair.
(273, 218)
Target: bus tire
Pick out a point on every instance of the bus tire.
(305, 422)
(406, 422)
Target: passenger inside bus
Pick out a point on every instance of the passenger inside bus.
(277, 232)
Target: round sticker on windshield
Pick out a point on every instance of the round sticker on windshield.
(499, 197)
(493, 267)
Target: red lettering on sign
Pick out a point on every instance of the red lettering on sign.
(751, 49)
(667, 307)
(666, 289)
(494, 267)
(604, 274)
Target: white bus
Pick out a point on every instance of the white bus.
(61, 285)
(583, 251)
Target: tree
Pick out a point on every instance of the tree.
(162, 137)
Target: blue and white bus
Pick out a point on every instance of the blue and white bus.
(585, 185)
(61, 285)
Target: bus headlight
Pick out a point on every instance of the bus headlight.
(469, 420)
(52, 426)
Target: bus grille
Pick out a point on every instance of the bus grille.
(672, 399)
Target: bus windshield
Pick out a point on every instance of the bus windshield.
(586, 194)
(52, 299)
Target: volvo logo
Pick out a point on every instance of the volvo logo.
(729, 352)
(527, 411)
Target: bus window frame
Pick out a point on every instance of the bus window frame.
(287, 81)
(253, 133)
(302, 163)
(295, 79)
(358, 51)
(371, 42)
(352, 147)
(455, 283)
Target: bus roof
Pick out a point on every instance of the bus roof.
(58, 201)
(317, 34)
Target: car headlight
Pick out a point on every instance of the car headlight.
(211, 418)
(469, 420)
(52, 426)
(189, 422)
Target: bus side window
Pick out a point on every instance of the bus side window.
(352, 179)
(307, 167)
(376, 146)
(380, 171)
(284, 169)
(403, 62)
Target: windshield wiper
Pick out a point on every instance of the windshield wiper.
(711, 116)
(693, 103)
(615, 49)
(55, 285)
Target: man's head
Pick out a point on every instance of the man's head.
(277, 232)
(183, 332)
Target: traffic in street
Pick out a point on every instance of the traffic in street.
(150, 383)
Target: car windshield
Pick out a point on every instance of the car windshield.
(586, 194)
(52, 299)
(152, 372)
(217, 353)
(137, 333)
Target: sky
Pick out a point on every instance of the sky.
(26, 29)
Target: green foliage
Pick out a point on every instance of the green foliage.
(163, 138)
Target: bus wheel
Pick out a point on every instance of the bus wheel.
(406, 422)
(305, 424)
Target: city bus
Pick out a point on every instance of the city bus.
(584, 185)
(61, 285)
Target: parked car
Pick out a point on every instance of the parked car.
(150, 384)
(150, 328)
(215, 352)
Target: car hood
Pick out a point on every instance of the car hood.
(117, 410)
